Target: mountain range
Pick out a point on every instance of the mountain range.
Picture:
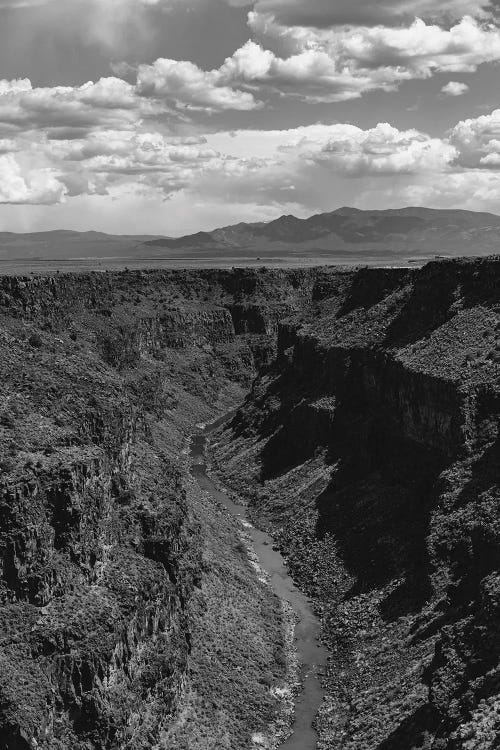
(347, 235)
(350, 233)
(65, 244)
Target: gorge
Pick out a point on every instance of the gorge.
(362, 436)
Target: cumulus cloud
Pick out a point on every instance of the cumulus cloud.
(321, 65)
(356, 48)
(381, 150)
(307, 179)
(471, 190)
(325, 13)
(305, 169)
(477, 141)
(15, 86)
(19, 184)
(186, 84)
(455, 88)
(420, 45)
(303, 166)
(337, 64)
(111, 103)
(298, 160)
(102, 138)
(145, 161)
(108, 102)
(270, 167)
(114, 137)
(334, 61)
(312, 75)
(422, 48)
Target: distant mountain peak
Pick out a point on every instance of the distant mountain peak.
(344, 235)
(350, 232)
(347, 211)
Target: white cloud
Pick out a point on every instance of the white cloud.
(356, 47)
(186, 84)
(325, 65)
(381, 150)
(415, 51)
(102, 139)
(151, 162)
(15, 86)
(110, 102)
(248, 174)
(313, 74)
(471, 190)
(325, 13)
(113, 140)
(306, 166)
(477, 141)
(337, 64)
(303, 167)
(19, 184)
(421, 48)
(455, 88)
(267, 167)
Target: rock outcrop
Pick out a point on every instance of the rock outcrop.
(368, 444)
(371, 449)
(104, 376)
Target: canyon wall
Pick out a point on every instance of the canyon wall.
(368, 444)
(106, 594)
(370, 448)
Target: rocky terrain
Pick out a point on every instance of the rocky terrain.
(371, 449)
(130, 614)
(122, 592)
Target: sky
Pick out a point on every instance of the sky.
(173, 116)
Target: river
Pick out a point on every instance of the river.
(312, 656)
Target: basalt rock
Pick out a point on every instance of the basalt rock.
(103, 378)
(371, 449)
(368, 443)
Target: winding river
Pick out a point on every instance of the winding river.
(312, 656)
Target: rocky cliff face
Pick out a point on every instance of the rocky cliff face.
(101, 550)
(368, 443)
(96, 550)
(371, 449)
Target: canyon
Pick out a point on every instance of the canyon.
(362, 435)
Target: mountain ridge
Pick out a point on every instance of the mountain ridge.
(347, 228)
(345, 235)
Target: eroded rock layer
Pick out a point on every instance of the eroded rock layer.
(371, 449)
(111, 562)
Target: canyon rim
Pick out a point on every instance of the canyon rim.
(361, 433)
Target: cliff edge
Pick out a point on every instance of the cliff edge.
(111, 561)
(371, 449)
